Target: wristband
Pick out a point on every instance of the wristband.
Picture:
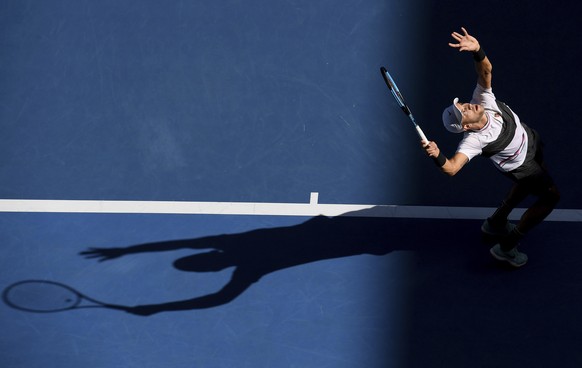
(479, 55)
(440, 160)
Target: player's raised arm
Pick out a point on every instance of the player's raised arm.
(483, 67)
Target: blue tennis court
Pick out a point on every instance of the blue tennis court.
(230, 184)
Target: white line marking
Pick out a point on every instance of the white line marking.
(314, 198)
(271, 209)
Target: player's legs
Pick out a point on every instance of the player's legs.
(548, 196)
(539, 210)
(515, 196)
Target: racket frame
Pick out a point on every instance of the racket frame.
(393, 87)
(70, 306)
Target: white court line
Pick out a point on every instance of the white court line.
(313, 208)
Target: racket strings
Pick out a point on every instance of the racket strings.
(41, 296)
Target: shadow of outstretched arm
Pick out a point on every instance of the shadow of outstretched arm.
(106, 254)
(239, 282)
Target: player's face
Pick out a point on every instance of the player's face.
(472, 115)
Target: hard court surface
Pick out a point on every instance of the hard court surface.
(221, 103)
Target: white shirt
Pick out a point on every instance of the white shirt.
(474, 141)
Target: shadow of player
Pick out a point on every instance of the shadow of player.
(259, 252)
(256, 253)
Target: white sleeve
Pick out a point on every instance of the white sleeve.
(485, 98)
(470, 146)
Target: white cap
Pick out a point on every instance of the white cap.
(452, 118)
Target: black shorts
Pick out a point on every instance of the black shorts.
(532, 173)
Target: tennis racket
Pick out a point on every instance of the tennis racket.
(400, 100)
(41, 296)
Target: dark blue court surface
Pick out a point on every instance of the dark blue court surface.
(267, 102)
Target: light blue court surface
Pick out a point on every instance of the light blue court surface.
(338, 292)
(261, 104)
(328, 312)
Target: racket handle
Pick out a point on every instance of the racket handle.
(421, 134)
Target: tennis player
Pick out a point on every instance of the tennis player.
(491, 129)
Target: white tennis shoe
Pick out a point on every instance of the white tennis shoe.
(514, 257)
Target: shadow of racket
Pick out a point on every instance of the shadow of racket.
(42, 296)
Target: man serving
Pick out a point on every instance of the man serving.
(491, 129)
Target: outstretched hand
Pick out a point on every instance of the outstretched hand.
(466, 42)
(103, 254)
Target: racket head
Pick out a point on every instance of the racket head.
(393, 87)
(41, 296)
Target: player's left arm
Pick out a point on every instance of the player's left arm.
(483, 66)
